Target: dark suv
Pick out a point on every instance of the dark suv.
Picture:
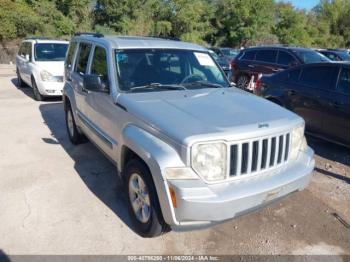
(268, 60)
(320, 93)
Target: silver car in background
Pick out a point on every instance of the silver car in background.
(192, 150)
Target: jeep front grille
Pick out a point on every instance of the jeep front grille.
(259, 154)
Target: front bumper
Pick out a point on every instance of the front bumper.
(201, 205)
(50, 88)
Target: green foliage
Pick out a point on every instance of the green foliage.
(208, 22)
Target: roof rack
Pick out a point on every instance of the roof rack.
(89, 34)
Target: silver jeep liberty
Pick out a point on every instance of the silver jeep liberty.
(192, 150)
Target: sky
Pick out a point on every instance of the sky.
(307, 4)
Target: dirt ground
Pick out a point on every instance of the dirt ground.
(56, 198)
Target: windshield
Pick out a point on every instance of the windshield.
(309, 57)
(50, 51)
(156, 69)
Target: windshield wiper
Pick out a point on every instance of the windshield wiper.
(160, 86)
(203, 83)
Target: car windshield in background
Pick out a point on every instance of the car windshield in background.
(50, 52)
(229, 52)
(345, 56)
(166, 69)
(309, 57)
(214, 55)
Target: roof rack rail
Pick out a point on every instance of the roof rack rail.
(37, 38)
(89, 34)
(337, 49)
(165, 37)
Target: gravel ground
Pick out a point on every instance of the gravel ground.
(59, 199)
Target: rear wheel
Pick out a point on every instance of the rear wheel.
(37, 95)
(242, 81)
(74, 136)
(143, 202)
(20, 82)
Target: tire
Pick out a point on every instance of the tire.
(74, 136)
(20, 82)
(36, 93)
(242, 81)
(145, 213)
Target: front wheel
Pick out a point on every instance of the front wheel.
(36, 93)
(143, 202)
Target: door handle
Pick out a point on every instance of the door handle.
(251, 66)
(276, 70)
(334, 104)
(291, 92)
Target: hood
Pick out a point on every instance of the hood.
(205, 114)
(56, 68)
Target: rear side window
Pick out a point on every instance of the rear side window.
(99, 63)
(248, 55)
(317, 77)
(285, 59)
(344, 81)
(268, 56)
(83, 57)
(21, 50)
(70, 54)
(25, 49)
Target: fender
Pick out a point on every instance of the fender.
(158, 155)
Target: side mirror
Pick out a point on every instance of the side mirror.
(27, 58)
(95, 83)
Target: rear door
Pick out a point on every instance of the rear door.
(337, 120)
(285, 60)
(309, 96)
(266, 62)
(77, 74)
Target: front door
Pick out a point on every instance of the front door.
(310, 96)
(101, 110)
(337, 120)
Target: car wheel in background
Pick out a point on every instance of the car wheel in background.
(242, 81)
(74, 136)
(20, 82)
(37, 95)
(143, 202)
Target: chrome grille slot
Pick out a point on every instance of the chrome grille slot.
(273, 151)
(244, 163)
(258, 155)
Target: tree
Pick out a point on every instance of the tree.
(291, 25)
(241, 21)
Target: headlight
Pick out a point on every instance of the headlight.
(209, 161)
(298, 142)
(46, 76)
